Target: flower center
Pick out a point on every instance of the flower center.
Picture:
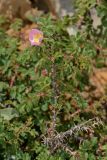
(37, 37)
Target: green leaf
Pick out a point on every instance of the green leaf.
(8, 113)
(44, 107)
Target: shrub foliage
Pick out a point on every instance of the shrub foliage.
(40, 92)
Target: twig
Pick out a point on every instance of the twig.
(57, 141)
(55, 93)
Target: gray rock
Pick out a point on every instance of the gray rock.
(95, 18)
(63, 7)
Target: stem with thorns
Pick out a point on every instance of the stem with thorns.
(54, 98)
(59, 140)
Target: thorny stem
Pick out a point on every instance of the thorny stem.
(56, 140)
(54, 97)
(59, 140)
(54, 86)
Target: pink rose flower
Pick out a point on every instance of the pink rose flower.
(35, 37)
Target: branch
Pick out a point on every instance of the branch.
(57, 141)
